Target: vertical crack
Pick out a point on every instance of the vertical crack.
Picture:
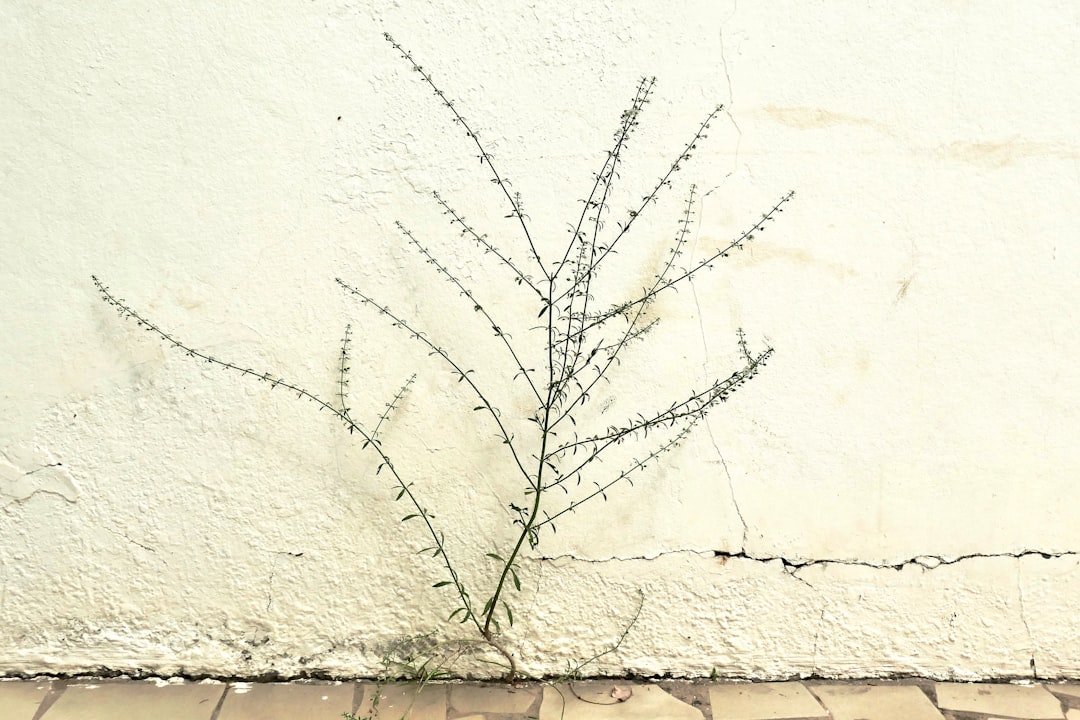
(705, 371)
(270, 585)
(693, 287)
(731, 486)
(731, 92)
(817, 641)
(1023, 616)
(708, 426)
(273, 571)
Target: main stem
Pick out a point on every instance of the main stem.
(537, 486)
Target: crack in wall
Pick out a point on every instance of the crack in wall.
(693, 288)
(817, 641)
(1023, 616)
(792, 567)
(273, 571)
(926, 562)
(731, 487)
(22, 499)
(127, 537)
(46, 475)
(708, 427)
(731, 93)
(43, 467)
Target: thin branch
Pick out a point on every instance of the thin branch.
(392, 405)
(343, 374)
(462, 374)
(485, 156)
(477, 306)
(482, 241)
(628, 122)
(581, 280)
(736, 244)
(665, 181)
(637, 466)
(697, 405)
(632, 331)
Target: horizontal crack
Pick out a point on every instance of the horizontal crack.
(927, 562)
(43, 467)
(575, 558)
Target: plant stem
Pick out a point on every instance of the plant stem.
(537, 487)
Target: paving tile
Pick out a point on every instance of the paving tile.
(764, 701)
(1073, 714)
(492, 699)
(648, 702)
(407, 700)
(1032, 702)
(1067, 690)
(19, 699)
(136, 700)
(286, 701)
(876, 702)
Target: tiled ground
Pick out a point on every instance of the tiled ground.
(86, 699)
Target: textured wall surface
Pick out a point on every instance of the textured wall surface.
(895, 493)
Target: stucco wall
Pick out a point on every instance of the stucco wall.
(894, 494)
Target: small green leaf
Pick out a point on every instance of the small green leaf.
(410, 517)
(509, 615)
(495, 557)
(442, 583)
(517, 583)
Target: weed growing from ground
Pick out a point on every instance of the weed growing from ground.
(562, 455)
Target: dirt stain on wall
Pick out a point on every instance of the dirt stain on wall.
(996, 154)
(987, 153)
(769, 252)
(809, 118)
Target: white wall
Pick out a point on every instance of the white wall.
(911, 445)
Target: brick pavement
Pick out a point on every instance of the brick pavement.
(97, 699)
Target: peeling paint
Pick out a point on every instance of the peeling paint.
(25, 472)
